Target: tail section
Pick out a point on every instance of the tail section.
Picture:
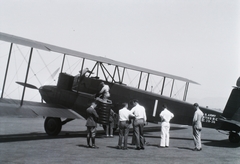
(232, 108)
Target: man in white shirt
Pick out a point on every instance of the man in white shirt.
(166, 116)
(197, 127)
(124, 124)
(139, 122)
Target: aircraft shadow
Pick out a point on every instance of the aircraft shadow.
(208, 142)
(185, 148)
(64, 134)
(132, 147)
(223, 143)
(216, 143)
(44, 136)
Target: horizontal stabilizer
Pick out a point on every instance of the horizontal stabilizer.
(229, 125)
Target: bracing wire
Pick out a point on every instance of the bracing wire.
(75, 64)
(16, 71)
(131, 80)
(27, 62)
(177, 93)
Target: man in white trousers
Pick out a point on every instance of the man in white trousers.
(166, 116)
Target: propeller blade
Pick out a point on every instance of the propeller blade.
(27, 85)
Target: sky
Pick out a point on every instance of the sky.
(198, 40)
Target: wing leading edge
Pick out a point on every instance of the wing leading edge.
(48, 47)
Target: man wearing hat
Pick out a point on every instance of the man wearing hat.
(91, 124)
(197, 127)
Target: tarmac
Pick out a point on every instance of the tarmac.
(24, 141)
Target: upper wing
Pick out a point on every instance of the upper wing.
(10, 107)
(48, 47)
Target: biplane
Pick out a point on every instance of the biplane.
(68, 99)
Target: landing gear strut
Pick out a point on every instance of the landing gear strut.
(53, 126)
(234, 137)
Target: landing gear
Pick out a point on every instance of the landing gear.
(53, 126)
(234, 137)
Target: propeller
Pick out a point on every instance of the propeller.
(27, 85)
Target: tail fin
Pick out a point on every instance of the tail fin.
(238, 82)
(232, 108)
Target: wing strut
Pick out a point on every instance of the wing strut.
(24, 87)
(164, 78)
(147, 82)
(186, 90)
(78, 80)
(123, 75)
(116, 70)
(172, 88)
(9, 56)
(63, 61)
(93, 70)
(118, 74)
(140, 78)
(104, 68)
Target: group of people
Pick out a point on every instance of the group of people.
(137, 116)
(166, 116)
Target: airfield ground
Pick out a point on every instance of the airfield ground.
(23, 140)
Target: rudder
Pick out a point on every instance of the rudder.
(232, 108)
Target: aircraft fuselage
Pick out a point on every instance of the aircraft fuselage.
(80, 100)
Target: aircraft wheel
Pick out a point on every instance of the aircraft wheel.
(234, 137)
(52, 126)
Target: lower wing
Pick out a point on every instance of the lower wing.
(12, 108)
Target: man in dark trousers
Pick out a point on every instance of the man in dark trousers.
(124, 124)
(91, 124)
(140, 120)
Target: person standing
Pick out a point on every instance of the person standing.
(110, 126)
(139, 122)
(166, 116)
(197, 127)
(91, 124)
(124, 124)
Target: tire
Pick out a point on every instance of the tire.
(53, 126)
(234, 137)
